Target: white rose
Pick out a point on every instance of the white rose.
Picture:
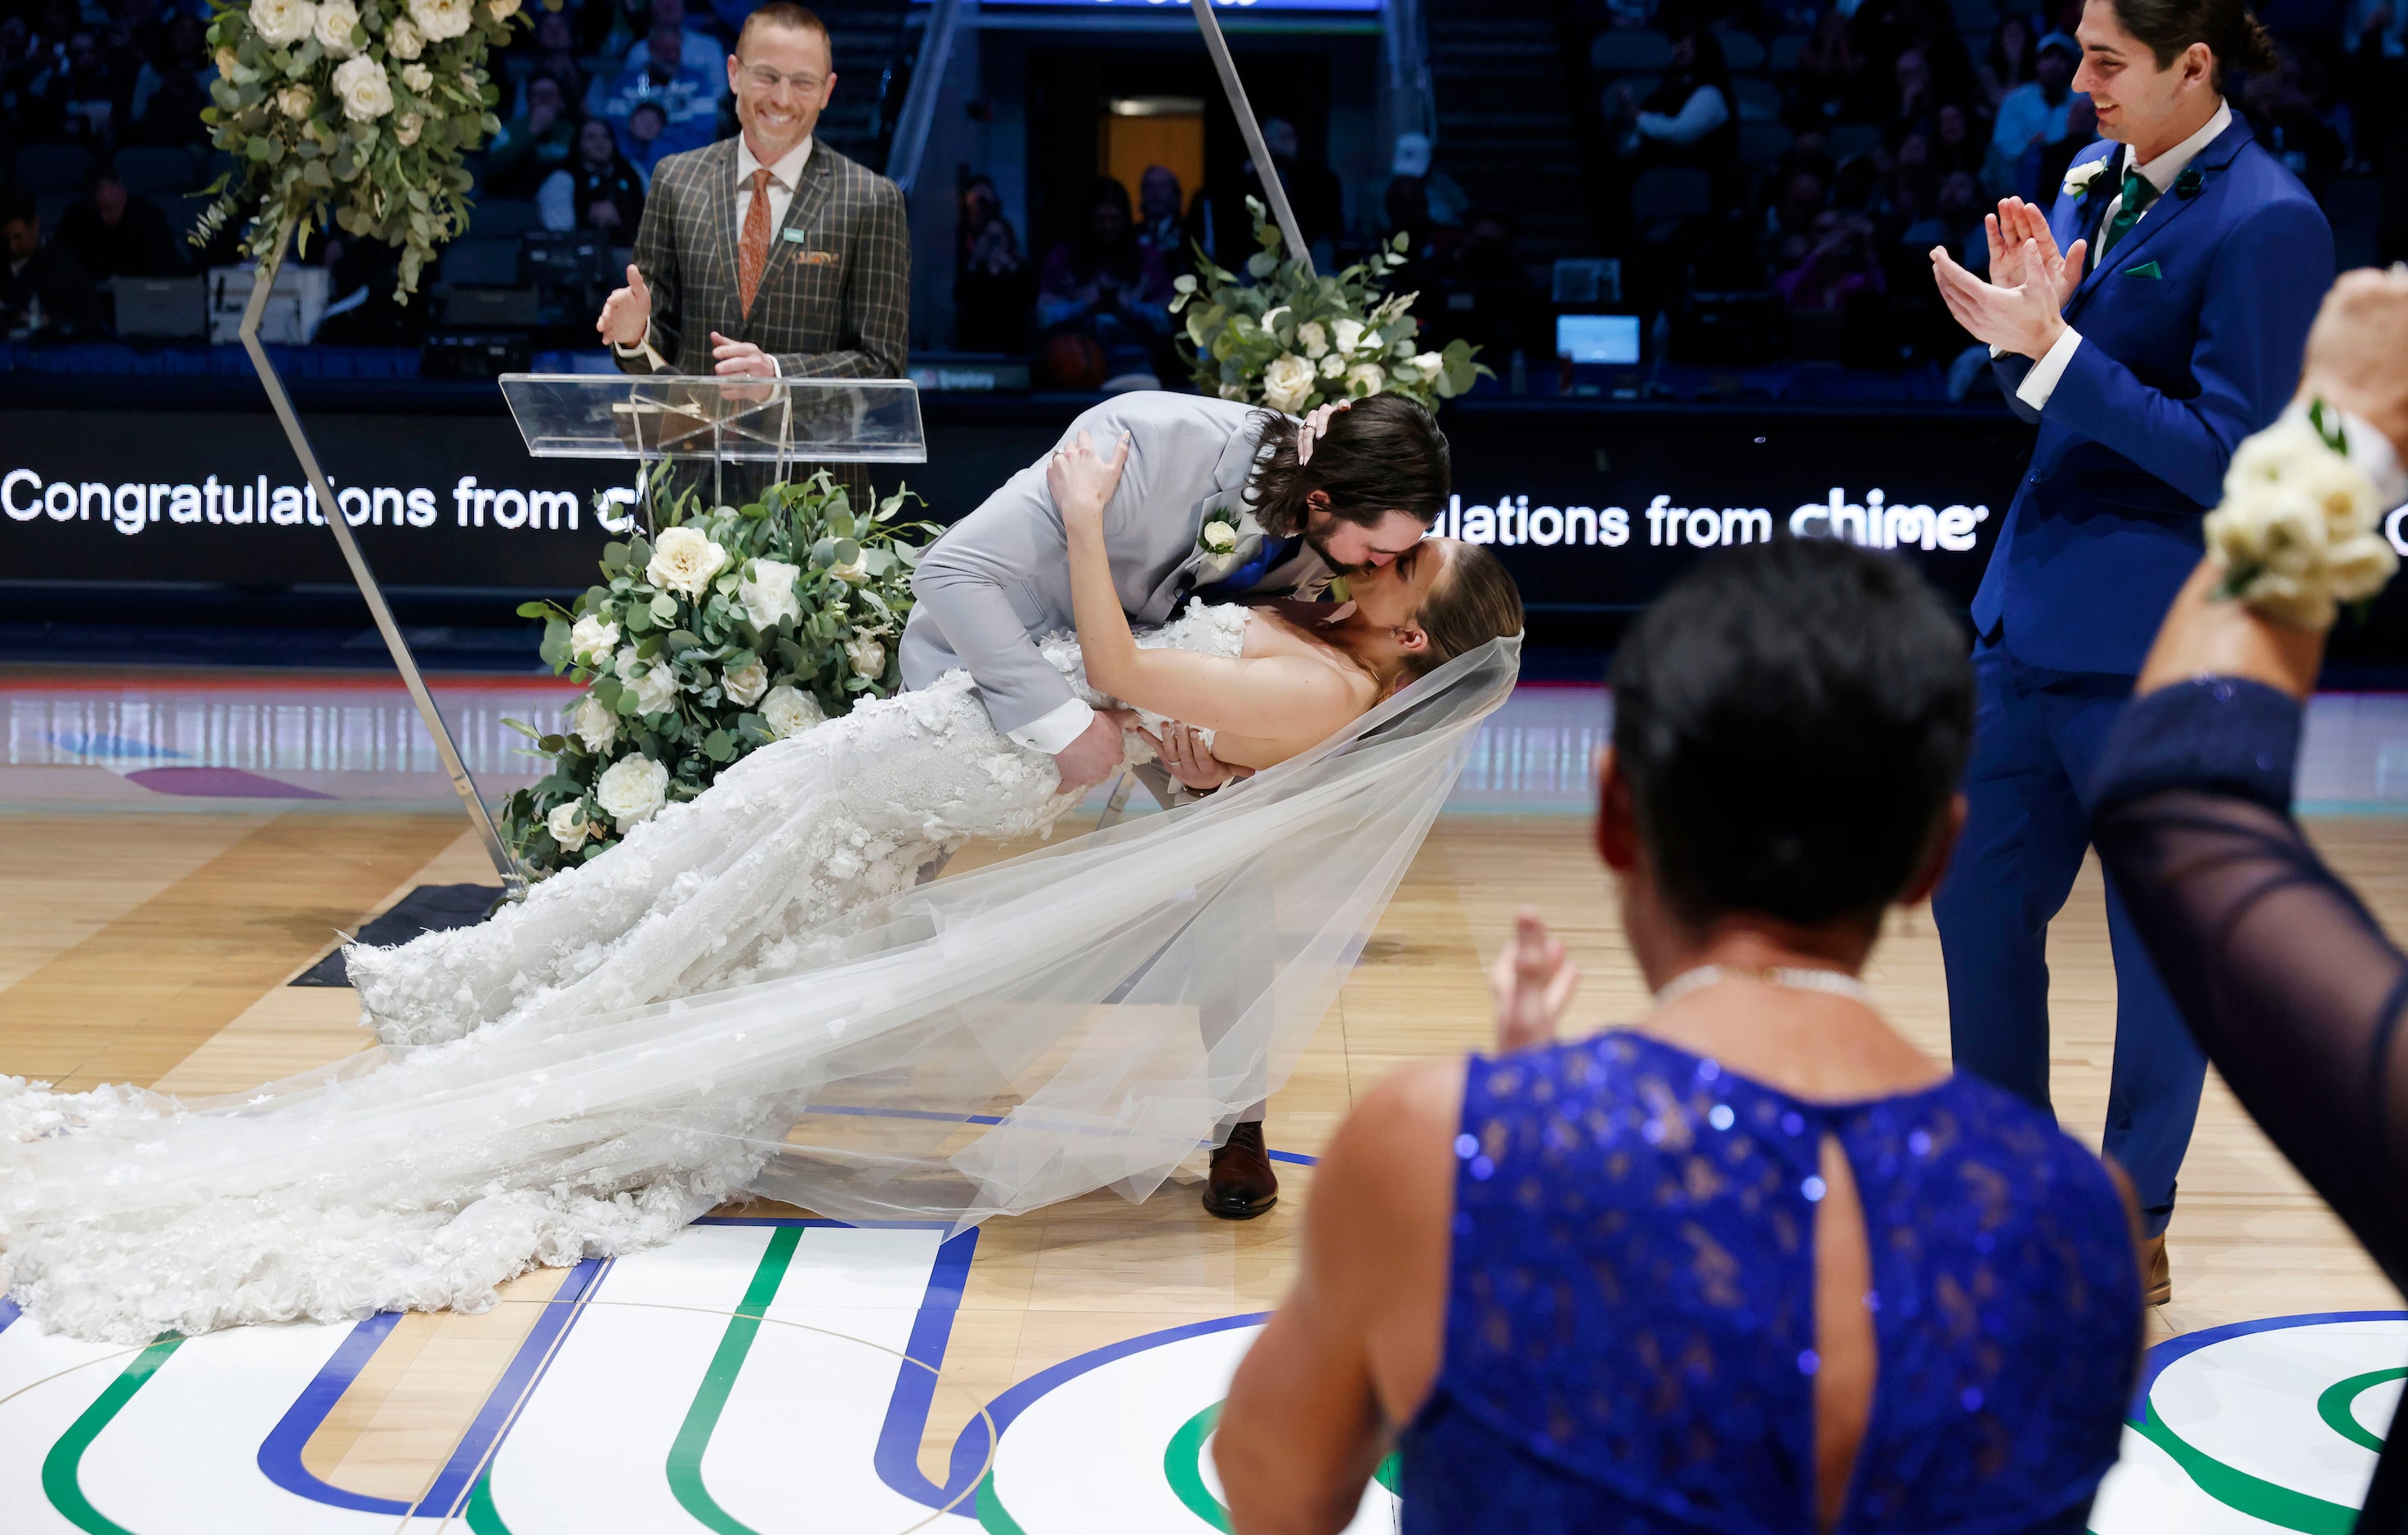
(2359, 567)
(1429, 365)
(501, 10)
(1333, 365)
(684, 560)
(594, 724)
(405, 128)
(366, 93)
(855, 570)
(1348, 334)
(1365, 379)
(566, 824)
(745, 684)
(1313, 337)
(402, 40)
(418, 78)
(2080, 176)
(282, 23)
(868, 657)
(441, 19)
(333, 26)
(790, 712)
(656, 690)
(767, 594)
(297, 101)
(1287, 383)
(1220, 537)
(591, 638)
(630, 790)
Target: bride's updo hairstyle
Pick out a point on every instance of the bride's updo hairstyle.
(1792, 718)
(1382, 453)
(1473, 602)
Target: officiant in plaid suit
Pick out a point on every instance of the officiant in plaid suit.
(768, 255)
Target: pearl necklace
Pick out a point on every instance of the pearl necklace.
(1796, 978)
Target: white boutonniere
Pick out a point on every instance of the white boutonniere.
(1219, 534)
(1229, 537)
(2078, 179)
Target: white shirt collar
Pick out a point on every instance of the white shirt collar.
(786, 172)
(2161, 172)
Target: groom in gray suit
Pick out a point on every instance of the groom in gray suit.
(1374, 480)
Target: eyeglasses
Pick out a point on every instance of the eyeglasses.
(764, 79)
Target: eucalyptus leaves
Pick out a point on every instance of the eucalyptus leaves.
(1291, 341)
(723, 631)
(354, 115)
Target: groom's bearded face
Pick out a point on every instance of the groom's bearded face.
(1350, 549)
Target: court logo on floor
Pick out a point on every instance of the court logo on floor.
(2258, 1427)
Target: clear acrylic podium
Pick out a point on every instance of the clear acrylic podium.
(725, 421)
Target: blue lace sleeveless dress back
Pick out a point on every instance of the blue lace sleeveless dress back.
(1630, 1307)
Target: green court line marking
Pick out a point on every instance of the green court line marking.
(702, 1416)
(991, 1515)
(1183, 1463)
(2236, 1490)
(61, 1479)
(2333, 1406)
(483, 1517)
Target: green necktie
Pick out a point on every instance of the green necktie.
(2139, 192)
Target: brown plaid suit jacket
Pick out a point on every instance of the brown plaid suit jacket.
(834, 303)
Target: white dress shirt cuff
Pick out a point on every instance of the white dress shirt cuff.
(643, 348)
(2041, 382)
(2370, 449)
(1053, 731)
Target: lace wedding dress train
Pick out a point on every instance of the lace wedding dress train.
(711, 894)
(749, 996)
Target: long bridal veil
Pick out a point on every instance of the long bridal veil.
(1081, 1018)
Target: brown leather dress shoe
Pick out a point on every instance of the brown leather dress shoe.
(2156, 1274)
(1241, 1185)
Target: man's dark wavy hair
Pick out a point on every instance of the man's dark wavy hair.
(1792, 718)
(1381, 455)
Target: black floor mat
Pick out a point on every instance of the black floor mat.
(429, 908)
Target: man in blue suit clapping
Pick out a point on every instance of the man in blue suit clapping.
(2150, 321)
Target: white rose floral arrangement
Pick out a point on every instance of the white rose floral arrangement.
(722, 631)
(351, 113)
(2300, 530)
(1293, 342)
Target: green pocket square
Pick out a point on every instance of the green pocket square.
(2147, 268)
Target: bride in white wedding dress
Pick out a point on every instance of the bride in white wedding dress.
(748, 995)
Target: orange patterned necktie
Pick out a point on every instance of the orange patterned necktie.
(752, 253)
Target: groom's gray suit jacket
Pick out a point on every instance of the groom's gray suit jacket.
(1000, 578)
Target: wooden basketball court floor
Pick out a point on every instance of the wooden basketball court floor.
(1055, 1371)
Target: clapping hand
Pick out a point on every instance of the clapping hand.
(1083, 482)
(1533, 982)
(2018, 310)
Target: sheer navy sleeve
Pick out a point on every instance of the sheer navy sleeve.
(2286, 981)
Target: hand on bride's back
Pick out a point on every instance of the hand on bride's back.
(1083, 479)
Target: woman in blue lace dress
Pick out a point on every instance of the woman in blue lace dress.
(1754, 1263)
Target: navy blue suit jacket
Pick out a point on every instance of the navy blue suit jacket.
(2177, 366)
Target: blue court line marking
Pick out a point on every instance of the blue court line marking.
(8, 1312)
(280, 1453)
(484, 1439)
(2160, 1355)
(104, 745)
(971, 1454)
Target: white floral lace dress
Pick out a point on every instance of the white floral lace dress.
(410, 1185)
(709, 894)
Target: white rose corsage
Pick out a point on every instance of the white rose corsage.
(2299, 532)
(2078, 179)
(1219, 534)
